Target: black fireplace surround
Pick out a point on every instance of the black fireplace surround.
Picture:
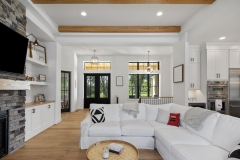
(3, 133)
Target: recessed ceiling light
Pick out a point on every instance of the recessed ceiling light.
(221, 38)
(83, 13)
(159, 13)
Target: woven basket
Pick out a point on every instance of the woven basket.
(130, 152)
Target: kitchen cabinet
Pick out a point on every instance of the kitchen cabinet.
(217, 64)
(194, 76)
(38, 118)
(194, 56)
(234, 59)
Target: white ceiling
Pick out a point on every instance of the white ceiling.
(121, 50)
(121, 15)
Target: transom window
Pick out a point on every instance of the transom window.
(99, 66)
(142, 65)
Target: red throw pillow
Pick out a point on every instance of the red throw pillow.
(174, 119)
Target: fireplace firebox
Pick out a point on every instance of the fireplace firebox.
(3, 133)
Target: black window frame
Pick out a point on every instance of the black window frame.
(144, 62)
(138, 86)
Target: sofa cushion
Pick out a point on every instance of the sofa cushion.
(152, 110)
(208, 127)
(137, 128)
(111, 111)
(172, 136)
(157, 125)
(179, 109)
(197, 152)
(140, 116)
(106, 129)
(227, 132)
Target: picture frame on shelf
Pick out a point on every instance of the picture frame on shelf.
(41, 97)
(38, 52)
(42, 78)
(178, 73)
(119, 81)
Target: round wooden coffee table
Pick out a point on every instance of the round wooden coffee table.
(94, 152)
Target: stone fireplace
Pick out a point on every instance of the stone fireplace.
(12, 102)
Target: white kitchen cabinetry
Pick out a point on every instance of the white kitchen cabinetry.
(194, 79)
(217, 64)
(194, 56)
(234, 59)
(38, 118)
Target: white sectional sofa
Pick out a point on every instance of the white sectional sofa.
(217, 137)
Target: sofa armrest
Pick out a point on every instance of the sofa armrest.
(85, 125)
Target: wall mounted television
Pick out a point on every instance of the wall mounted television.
(13, 50)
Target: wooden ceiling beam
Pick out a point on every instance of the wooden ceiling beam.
(123, 1)
(120, 29)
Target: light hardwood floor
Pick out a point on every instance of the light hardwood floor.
(61, 142)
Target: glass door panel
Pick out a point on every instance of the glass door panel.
(65, 91)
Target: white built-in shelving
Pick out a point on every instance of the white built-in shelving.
(36, 62)
(38, 83)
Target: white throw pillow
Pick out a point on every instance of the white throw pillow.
(152, 110)
(163, 116)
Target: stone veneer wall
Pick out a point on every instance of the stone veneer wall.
(13, 15)
(14, 103)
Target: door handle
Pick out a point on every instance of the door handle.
(33, 111)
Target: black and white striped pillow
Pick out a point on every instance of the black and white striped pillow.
(235, 153)
(97, 115)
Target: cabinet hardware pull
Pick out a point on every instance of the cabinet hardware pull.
(193, 84)
(49, 106)
(193, 59)
(219, 75)
(33, 111)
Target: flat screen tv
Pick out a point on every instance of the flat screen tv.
(13, 50)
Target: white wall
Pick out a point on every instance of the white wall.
(69, 63)
(119, 67)
(53, 90)
(180, 56)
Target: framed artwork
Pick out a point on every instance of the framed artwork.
(119, 81)
(38, 52)
(178, 74)
(42, 78)
(41, 98)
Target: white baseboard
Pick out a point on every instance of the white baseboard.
(58, 121)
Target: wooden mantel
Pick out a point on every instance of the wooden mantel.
(7, 84)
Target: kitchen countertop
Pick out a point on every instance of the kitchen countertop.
(196, 102)
(34, 104)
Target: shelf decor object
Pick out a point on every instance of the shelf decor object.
(178, 73)
(41, 98)
(119, 81)
(37, 52)
(42, 78)
(35, 43)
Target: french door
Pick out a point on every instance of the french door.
(96, 89)
(65, 91)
